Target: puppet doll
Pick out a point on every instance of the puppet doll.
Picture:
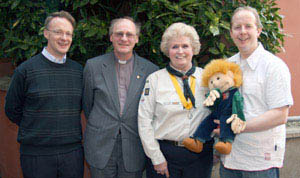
(223, 79)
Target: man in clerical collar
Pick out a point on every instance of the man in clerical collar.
(113, 84)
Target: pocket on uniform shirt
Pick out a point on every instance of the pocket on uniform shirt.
(169, 103)
(166, 106)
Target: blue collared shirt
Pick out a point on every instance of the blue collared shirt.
(52, 58)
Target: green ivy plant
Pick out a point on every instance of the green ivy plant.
(21, 26)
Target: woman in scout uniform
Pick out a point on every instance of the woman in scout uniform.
(171, 107)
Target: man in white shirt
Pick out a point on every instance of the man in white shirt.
(258, 150)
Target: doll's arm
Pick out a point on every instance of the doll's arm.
(237, 118)
(238, 105)
(211, 97)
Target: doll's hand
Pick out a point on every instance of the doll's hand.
(237, 125)
(213, 95)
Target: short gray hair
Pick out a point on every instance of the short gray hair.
(177, 30)
(250, 9)
(114, 21)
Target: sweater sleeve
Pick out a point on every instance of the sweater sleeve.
(15, 97)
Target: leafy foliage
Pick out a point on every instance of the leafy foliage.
(21, 26)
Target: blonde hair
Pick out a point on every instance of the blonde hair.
(222, 66)
(180, 29)
(250, 9)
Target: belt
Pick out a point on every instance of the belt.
(175, 143)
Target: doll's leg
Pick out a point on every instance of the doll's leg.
(226, 134)
(193, 145)
(226, 137)
(204, 130)
(202, 134)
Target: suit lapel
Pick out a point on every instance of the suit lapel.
(109, 73)
(136, 80)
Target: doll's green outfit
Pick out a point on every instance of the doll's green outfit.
(229, 103)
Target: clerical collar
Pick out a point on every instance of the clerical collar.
(124, 61)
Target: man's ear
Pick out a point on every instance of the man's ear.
(137, 39)
(230, 74)
(46, 34)
(259, 30)
(110, 38)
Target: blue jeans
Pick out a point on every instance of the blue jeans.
(229, 173)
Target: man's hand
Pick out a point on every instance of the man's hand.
(237, 125)
(162, 169)
(213, 95)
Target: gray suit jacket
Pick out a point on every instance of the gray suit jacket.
(101, 107)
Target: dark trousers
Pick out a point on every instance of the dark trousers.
(66, 165)
(115, 166)
(183, 163)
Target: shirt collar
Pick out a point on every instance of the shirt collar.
(253, 59)
(51, 58)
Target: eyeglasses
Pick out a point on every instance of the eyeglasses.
(121, 34)
(61, 33)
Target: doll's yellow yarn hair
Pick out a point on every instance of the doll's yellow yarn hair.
(222, 66)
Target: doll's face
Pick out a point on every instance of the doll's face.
(221, 81)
